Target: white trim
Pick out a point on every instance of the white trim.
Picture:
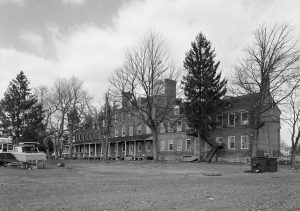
(176, 110)
(169, 144)
(229, 120)
(130, 130)
(179, 129)
(186, 148)
(242, 141)
(179, 146)
(229, 137)
(244, 112)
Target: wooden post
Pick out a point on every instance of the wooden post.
(125, 149)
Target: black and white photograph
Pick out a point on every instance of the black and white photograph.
(149, 105)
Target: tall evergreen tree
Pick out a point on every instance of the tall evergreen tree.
(21, 115)
(203, 86)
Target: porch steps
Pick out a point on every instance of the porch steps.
(189, 158)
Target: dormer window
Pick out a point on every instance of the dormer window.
(244, 118)
(231, 119)
(139, 130)
(176, 110)
(162, 128)
(170, 126)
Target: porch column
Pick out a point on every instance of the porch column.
(101, 148)
(134, 147)
(89, 149)
(108, 149)
(125, 149)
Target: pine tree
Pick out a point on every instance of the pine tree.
(21, 115)
(203, 86)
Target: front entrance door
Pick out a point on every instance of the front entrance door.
(131, 149)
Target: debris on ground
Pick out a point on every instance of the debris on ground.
(60, 165)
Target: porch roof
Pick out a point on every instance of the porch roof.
(117, 139)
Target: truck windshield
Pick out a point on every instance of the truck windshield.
(29, 149)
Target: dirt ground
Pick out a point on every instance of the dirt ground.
(144, 185)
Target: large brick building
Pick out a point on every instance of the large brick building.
(233, 131)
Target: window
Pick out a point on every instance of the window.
(139, 130)
(219, 121)
(162, 128)
(148, 131)
(176, 110)
(162, 145)
(231, 142)
(179, 145)
(231, 119)
(139, 147)
(188, 145)
(244, 142)
(116, 118)
(219, 140)
(244, 118)
(170, 145)
(123, 131)
(116, 132)
(179, 125)
(130, 130)
(187, 127)
(148, 146)
(103, 123)
(170, 126)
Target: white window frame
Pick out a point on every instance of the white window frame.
(162, 128)
(123, 131)
(176, 110)
(179, 128)
(170, 127)
(130, 130)
(148, 144)
(229, 141)
(244, 136)
(170, 143)
(139, 130)
(116, 118)
(162, 145)
(229, 120)
(139, 145)
(179, 145)
(116, 132)
(186, 145)
(244, 112)
(219, 126)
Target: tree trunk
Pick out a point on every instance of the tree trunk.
(155, 144)
(56, 149)
(71, 144)
(254, 143)
(294, 148)
(105, 148)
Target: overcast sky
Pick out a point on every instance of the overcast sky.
(87, 39)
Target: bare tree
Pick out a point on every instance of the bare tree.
(269, 71)
(292, 118)
(67, 103)
(141, 79)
